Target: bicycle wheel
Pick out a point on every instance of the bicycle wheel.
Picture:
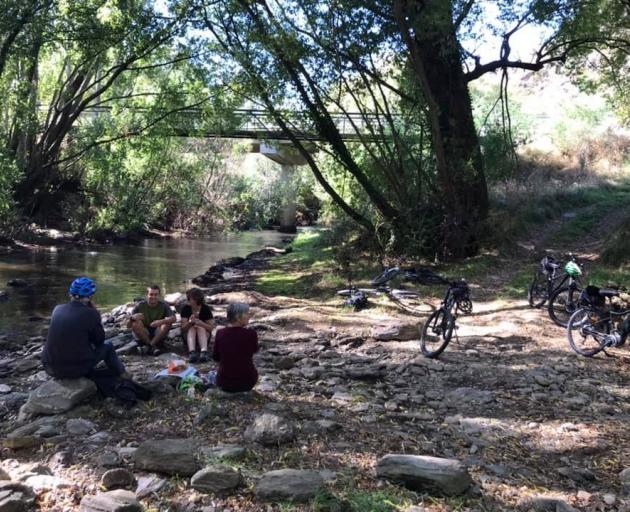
(562, 304)
(586, 330)
(437, 332)
(537, 291)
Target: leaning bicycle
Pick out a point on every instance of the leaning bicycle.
(598, 326)
(565, 298)
(438, 329)
(549, 279)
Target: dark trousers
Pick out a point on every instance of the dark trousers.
(108, 355)
(105, 353)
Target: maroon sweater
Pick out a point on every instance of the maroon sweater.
(233, 349)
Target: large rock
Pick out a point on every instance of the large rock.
(117, 478)
(269, 430)
(395, 331)
(148, 485)
(15, 497)
(169, 456)
(215, 478)
(289, 484)
(57, 396)
(80, 427)
(112, 501)
(420, 472)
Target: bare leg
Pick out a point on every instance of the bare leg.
(191, 339)
(160, 334)
(202, 336)
(141, 332)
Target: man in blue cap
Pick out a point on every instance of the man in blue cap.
(76, 340)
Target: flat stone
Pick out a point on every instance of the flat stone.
(215, 478)
(148, 485)
(58, 395)
(470, 395)
(168, 456)
(15, 497)
(395, 331)
(117, 479)
(43, 483)
(270, 430)
(224, 451)
(112, 501)
(79, 426)
(289, 484)
(418, 472)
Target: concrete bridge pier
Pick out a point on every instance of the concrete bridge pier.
(288, 157)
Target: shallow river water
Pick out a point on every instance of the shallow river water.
(121, 272)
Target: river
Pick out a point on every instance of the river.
(121, 272)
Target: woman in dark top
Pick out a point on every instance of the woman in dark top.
(234, 347)
(197, 325)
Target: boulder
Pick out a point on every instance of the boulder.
(289, 484)
(395, 331)
(117, 478)
(112, 501)
(168, 456)
(148, 485)
(215, 478)
(174, 298)
(418, 472)
(269, 430)
(57, 396)
(15, 497)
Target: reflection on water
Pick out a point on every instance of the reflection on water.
(121, 272)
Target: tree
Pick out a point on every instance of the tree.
(330, 56)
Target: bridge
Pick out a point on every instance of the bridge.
(260, 125)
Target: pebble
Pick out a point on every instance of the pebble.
(4, 389)
(609, 498)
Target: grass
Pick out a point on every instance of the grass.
(310, 270)
(393, 500)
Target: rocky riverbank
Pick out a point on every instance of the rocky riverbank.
(347, 416)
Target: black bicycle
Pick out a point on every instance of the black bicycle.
(549, 281)
(438, 329)
(598, 326)
(358, 297)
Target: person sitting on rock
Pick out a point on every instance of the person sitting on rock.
(234, 347)
(197, 325)
(76, 340)
(151, 320)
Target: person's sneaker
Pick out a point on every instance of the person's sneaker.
(204, 357)
(154, 351)
(144, 350)
(193, 357)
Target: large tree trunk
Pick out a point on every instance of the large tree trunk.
(429, 32)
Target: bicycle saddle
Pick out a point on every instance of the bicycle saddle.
(595, 291)
(549, 264)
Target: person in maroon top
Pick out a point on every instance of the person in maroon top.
(234, 347)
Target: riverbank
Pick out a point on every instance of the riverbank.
(534, 426)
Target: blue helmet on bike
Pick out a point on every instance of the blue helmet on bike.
(82, 287)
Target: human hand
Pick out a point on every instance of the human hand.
(138, 316)
(156, 323)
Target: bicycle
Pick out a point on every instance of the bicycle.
(358, 297)
(438, 329)
(565, 300)
(548, 280)
(596, 327)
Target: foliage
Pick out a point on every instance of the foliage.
(9, 175)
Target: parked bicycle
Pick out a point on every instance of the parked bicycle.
(551, 283)
(438, 329)
(358, 297)
(565, 299)
(598, 326)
